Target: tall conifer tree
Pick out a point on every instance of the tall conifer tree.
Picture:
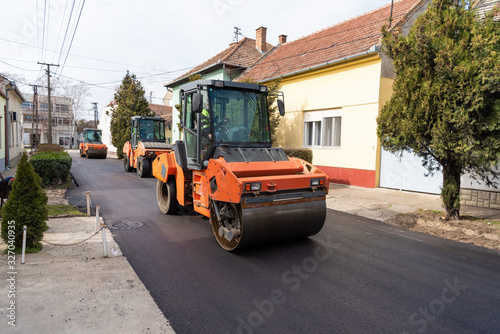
(446, 102)
(130, 101)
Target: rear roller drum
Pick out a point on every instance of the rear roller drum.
(143, 167)
(166, 196)
(126, 164)
(226, 222)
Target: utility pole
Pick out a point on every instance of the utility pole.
(50, 104)
(96, 113)
(34, 119)
(150, 97)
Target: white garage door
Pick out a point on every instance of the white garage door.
(406, 173)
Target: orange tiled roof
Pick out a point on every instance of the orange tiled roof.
(345, 39)
(160, 109)
(241, 54)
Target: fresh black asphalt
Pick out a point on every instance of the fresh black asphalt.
(356, 276)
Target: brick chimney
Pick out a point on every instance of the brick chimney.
(282, 39)
(261, 39)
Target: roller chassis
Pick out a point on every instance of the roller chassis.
(287, 206)
(145, 145)
(250, 192)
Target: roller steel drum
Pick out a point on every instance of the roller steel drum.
(271, 223)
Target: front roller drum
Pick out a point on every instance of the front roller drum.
(98, 154)
(236, 228)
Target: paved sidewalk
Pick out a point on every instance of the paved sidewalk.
(384, 204)
(74, 289)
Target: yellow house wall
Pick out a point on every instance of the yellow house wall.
(354, 88)
(168, 134)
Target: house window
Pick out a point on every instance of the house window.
(27, 105)
(322, 128)
(331, 133)
(312, 133)
(62, 107)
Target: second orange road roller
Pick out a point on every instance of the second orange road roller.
(227, 169)
(147, 141)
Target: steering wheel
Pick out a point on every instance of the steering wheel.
(223, 126)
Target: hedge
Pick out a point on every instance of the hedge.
(301, 153)
(52, 167)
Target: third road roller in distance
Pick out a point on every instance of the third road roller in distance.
(92, 145)
(227, 169)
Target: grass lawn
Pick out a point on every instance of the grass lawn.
(62, 209)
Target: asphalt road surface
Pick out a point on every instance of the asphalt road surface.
(356, 276)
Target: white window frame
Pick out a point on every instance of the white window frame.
(316, 121)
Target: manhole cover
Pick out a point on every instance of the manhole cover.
(125, 225)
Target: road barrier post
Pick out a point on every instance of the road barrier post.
(104, 246)
(88, 203)
(97, 217)
(24, 244)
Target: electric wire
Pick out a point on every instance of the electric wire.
(61, 28)
(87, 68)
(17, 67)
(37, 31)
(47, 27)
(43, 30)
(72, 38)
(78, 56)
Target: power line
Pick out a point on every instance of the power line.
(67, 27)
(74, 32)
(37, 31)
(118, 81)
(19, 68)
(77, 56)
(79, 67)
(43, 31)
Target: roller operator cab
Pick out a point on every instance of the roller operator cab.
(147, 141)
(92, 146)
(227, 169)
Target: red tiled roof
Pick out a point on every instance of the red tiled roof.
(242, 54)
(342, 40)
(160, 109)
